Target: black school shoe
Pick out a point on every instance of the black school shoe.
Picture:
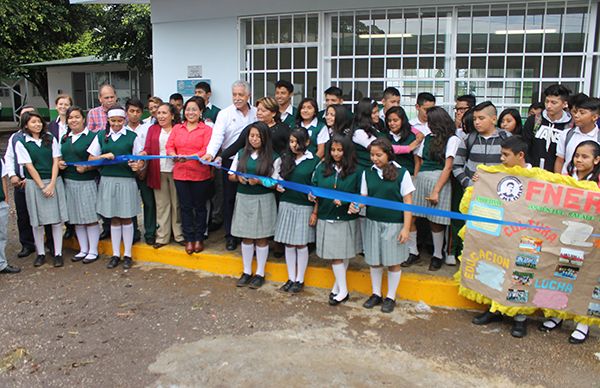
(244, 280)
(257, 282)
(39, 260)
(374, 300)
(436, 263)
(335, 302)
(10, 269)
(412, 259)
(577, 341)
(388, 305)
(231, 244)
(296, 287)
(127, 262)
(58, 261)
(519, 329)
(486, 317)
(114, 261)
(286, 287)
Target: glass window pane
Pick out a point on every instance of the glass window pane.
(376, 91)
(551, 67)
(346, 68)
(413, 28)
(346, 35)
(532, 67)
(574, 23)
(300, 28)
(393, 68)
(444, 30)
(533, 22)
(285, 58)
(428, 33)
(312, 56)
(272, 59)
(409, 67)
(514, 67)
(572, 67)
(464, 25)
(552, 27)
(272, 30)
(478, 67)
(248, 31)
(361, 68)
(259, 31)
(334, 35)
(364, 31)
(299, 82)
(311, 85)
(299, 58)
(313, 29)
(361, 89)
(515, 27)
(272, 79)
(498, 20)
(481, 25)
(259, 59)
(377, 68)
(396, 29)
(495, 67)
(380, 24)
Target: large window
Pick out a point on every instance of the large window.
(125, 82)
(281, 47)
(507, 53)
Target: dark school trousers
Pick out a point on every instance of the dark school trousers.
(23, 225)
(193, 196)
(229, 190)
(149, 205)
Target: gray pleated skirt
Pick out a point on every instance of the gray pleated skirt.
(42, 210)
(425, 182)
(254, 216)
(381, 243)
(292, 224)
(118, 197)
(337, 239)
(82, 197)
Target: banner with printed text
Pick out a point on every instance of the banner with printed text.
(557, 268)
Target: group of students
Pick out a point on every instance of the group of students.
(374, 151)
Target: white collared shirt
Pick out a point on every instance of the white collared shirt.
(96, 150)
(451, 147)
(361, 137)
(141, 130)
(254, 156)
(75, 136)
(166, 165)
(421, 127)
(230, 123)
(322, 136)
(9, 157)
(23, 155)
(288, 111)
(62, 128)
(406, 185)
(566, 151)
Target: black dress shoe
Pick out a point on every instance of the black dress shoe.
(435, 264)
(114, 261)
(296, 287)
(487, 317)
(25, 251)
(286, 287)
(331, 296)
(388, 305)
(231, 244)
(158, 245)
(39, 260)
(244, 280)
(105, 234)
(257, 282)
(68, 233)
(577, 341)
(150, 241)
(554, 325)
(127, 262)
(519, 329)
(10, 269)
(335, 302)
(373, 301)
(58, 261)
(89, 260)
(412, 259)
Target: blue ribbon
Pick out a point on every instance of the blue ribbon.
(321, 192)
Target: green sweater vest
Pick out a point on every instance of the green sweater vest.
(290, 120)
(313, 132)
(77, 152)
(302, 173)
(251, 166)
(363, 155)
(351, 184)
(211, 114)
(41, 158)
(428, 163)
(384, 189)
(405, 160)
(123, 146)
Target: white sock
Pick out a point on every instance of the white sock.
(290, 260)
(38, 239)
(336, 289)
(57, 233)
(247, 254)
(438, 244)
(339, 270)
(376, 277)
(393, 281)
(346, 263)
(302, 263)
(127, 239)
(262, 254)
(583, 328)
(82, 239)
(412, 243)
(115, 239)
(93, 234)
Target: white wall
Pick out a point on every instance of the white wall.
(59, 78)
(210, 43)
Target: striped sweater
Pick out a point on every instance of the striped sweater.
(482, 151)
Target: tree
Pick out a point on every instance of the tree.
(42, 30)
(125, 30)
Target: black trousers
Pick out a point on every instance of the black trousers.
(229, 190)
(23, 225)
(192, 197)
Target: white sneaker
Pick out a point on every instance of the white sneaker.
(450, 260)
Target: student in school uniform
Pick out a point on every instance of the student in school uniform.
(176, 99)
(5, 268)
(118, 197)
(363, 131)
(403, 137)
(337, 230)
(317, 131)
(391, 99)
(335, 96)
(583, 165)
(386, 231)
(425, 101)
(80, 185)
(337, 121)
(461, 106)
(255, 211)
(39, 153)
(134, 109)
(297, 216)
(284, 91)
(432, 176)
(586, 115)
(510, 121)
(210, 112)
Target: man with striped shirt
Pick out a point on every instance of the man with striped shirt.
(481, 147)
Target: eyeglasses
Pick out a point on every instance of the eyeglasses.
(464, 109)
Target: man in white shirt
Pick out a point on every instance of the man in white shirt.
(230, 123)
(424, 101)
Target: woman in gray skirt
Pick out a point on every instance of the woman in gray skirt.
(39, 153)
(432, 175)
(80, 185)
(297, 216)
(386, 231)
(255, 210)
(337, 229)
(118, 197)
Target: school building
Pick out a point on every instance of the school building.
(506, 51)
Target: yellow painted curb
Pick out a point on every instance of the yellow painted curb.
(434, 290)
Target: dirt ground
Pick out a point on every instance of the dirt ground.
(85, 325)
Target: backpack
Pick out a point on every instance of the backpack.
(571, 132)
